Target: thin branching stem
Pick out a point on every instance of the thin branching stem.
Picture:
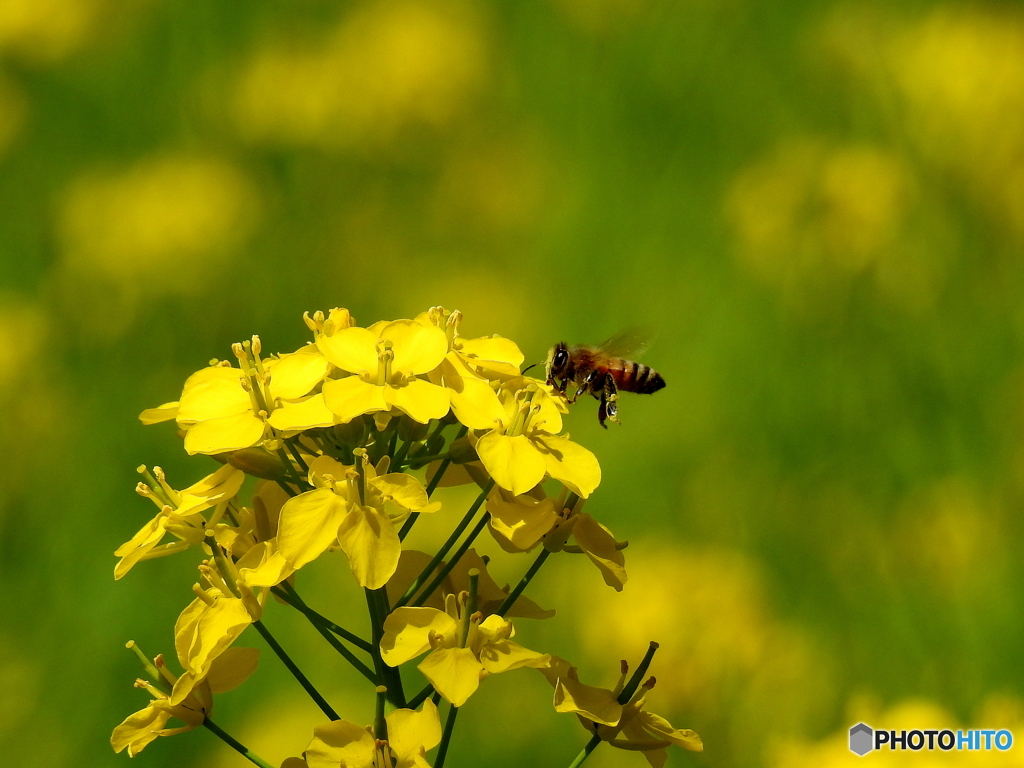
(236, 745)
(446, 737)
(447, 568)
(296, 672)
(436, 559)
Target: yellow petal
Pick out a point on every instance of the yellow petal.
(407, 633)
(418, 348)
(523, 520)
(476, 405)
(421, 400)
(352, 397)
(597, 704)
(164, 412)
(232, 668)
(404, 489)
(599, 544)
(351, 349)
(492, 353)
(305, 414)
(454, 673)
(222, 484)
(372, 545)
(264, 566)
(513, 462)
(570, 463)
(135, 549)
(293, 376)
(340, 743)
(228, 433)
(139, 729)
(309, 525)
(212, 393)
(203, 632)
(503, 655)
(663, 729)
(410, 731)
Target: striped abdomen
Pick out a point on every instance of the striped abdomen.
(636, 377)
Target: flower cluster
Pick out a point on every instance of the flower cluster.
(348, 438)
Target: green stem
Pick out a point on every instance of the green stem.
(436, 559)
(291, 469)
(463, 548)
(449, 726)
(386, 676)
(294, 451)
(392, 675)
(421, 460)
(334, 642)
(585, 752)
(434, 481)
(380, 724)
(237, 745)
(296, 672)
(420, 697)
(509, 601)
(287, 593)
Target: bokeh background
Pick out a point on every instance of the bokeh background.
(818, 207)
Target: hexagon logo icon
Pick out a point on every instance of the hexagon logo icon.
(861, 739)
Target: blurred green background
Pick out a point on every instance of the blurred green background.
(818, 207)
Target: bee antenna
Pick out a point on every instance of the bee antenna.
(531, 366)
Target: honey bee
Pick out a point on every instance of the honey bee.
(603, 371)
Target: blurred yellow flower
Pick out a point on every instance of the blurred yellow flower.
(811, 215)
(47, 30)
(387, 66)
(167, 214)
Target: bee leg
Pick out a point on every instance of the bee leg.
(584, 386)
(609, 400)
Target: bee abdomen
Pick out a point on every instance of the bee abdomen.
(652, 381)
(640, 378)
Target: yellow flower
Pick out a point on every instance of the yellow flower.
(626, 726)
(469, 366)
(358, 511)
(179, 515)
(191, 700)
(227, 409)
(522, 448)
(385, 360)
(411, 733)
(518, 523)
(455, 668)
(593, 540)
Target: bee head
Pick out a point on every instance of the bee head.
(558, 359)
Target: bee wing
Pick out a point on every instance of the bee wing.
(630, 343)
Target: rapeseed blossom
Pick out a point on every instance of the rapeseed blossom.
(348, 438)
